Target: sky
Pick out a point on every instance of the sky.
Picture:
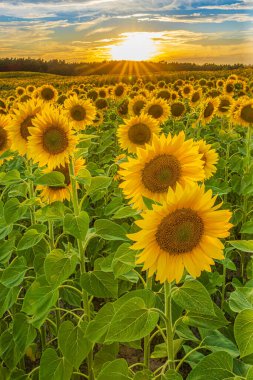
(200, 31)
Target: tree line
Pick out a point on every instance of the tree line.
(61, 67)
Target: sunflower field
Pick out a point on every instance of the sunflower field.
(126, 227)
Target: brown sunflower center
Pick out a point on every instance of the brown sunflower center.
(195, 97)
(119, 90)
(47, 93)
(3, 139)
(78, 113)
(26, 123)
(101, 103)
(208, 110)
(161, 173)
(155, 110)
(180, 231)
(177, 109)
(55, 140)
(229, 88)
(186, 90)
(139, 134)
(224, 105)
(247, 113)
(138, 106)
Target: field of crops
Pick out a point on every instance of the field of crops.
(126, 227)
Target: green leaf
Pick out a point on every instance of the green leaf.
(109, 230)
(124, 260)
(98, 327)
(115, 370)
(6, 249)
(218, 366)
(132, 321)
(59, 266)
(54, 368)
(125, 212)
(216, 341)
(54, 211)
(8, 297)
(13, 275)
(100, 284)
(13, 210)
(39, 298)
(76, 226)
(206, 321)
(9, 352)
(242, 245)
(10, 177)
(241, 299)
(247, 227)
(51, 179)
(171, 375)
(243, 330)
(99, 183)
(23, 332)
(160, 350)
(107, 353)
(73, 343)
(29, 239)
(193, 296)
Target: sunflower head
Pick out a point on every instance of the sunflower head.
(225, 102)
(80, 112)
(98, 119)
(51, 139)
(20, 91)
(5, 138)
(51, 194)
(123, 108)
(164, 94)
(158, 109)
(183, 233)
(101, 104)
(244, 113)
(136, 132)
(166, 162)
(209, 158)
(92, 94)
(177, 109)
(2, 103)
(209, 108)
(186, 90)
(136, 105)
(195, 97)
(30, 89)
(47, 93)
(119, 90)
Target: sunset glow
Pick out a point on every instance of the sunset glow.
(134, 47)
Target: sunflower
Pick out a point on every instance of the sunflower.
(209, 158)
(98, 120)
(92, 94)
(229, 87)
(102, 92)
(208, 110)
(195, 97)
(51, 139)
(79, 112)
(30, 89)
(183, 233)
(168, 161)
(51, 194)
(122, 108)
(5, 138)
(220, 83)
(47, 93)
(2, 103)
(136, 105)
(119, 91)
(244, 113)
(186, 90)
(21, 121)
(20, 91)
(164, 94)
(136, 132)
(174, 96)
(225, 102)
(158, 109)
(101, 103)
(177, 109)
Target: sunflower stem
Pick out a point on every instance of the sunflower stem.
(169, 324)
(147, 338)
(81, 251)
(245, 200)
(31, 191)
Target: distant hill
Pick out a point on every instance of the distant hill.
(60, 67)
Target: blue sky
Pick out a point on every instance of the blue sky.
(218, 31)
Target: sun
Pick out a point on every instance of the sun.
(136, 46)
